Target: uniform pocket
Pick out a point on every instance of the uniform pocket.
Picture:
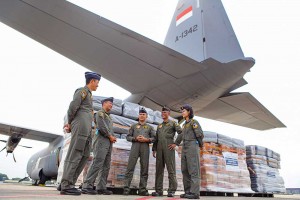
(80, 143)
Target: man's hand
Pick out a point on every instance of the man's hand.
(112, 139)
(139, 138)
(172, 146)
(145, 140)
(154, 154)
(67, 128)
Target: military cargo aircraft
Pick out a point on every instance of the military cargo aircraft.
(201, 60)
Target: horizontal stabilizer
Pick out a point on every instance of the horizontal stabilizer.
(8, 130)
(241, 109)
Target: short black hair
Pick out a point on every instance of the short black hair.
(87, 81)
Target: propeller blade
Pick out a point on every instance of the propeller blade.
(23, 179)
(3, 148)
(25, 146)
(14, 157)
(3, 141)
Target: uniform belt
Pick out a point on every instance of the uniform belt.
(189, 140)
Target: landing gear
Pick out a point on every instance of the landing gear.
(42, 180)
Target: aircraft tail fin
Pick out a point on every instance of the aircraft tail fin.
(200, 29)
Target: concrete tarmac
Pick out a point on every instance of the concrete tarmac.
(21, 191)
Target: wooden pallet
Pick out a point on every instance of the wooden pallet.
(222, 194)
(256, 195)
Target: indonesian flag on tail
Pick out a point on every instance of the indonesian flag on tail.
(184, 15)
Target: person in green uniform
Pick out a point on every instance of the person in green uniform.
(141, 135)
(102, 149)
(192, 136)
(164, 156)
(80, 118)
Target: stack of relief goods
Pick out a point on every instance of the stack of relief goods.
(223, 164)
(263, 165)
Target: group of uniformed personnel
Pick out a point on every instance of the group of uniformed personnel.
(80, 118)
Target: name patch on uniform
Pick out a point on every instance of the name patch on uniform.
(138, 126)
(160, 126)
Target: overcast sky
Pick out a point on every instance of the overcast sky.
(37, 83)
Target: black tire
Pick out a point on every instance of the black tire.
(43, 178)
(35, 183)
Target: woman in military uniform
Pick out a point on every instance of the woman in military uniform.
(191, 137)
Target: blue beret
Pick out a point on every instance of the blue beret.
(92, 75)
(111, 99)
(143, 110)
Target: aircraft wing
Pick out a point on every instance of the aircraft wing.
(9, 130)
(241, 109)
(155, 74)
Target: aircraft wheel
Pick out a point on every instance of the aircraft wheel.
(43, 179)
(35, 183)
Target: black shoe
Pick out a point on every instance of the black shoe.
(126, 192)
(156, 194)
(105, 192)
(59, 187)
(71, 191)
(183, 196)
(171, 194)
(144, 193)
(192, 196)
(88, 191)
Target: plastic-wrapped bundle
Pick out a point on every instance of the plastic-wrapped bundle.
(272, 162)
(223, 171)
(121, 124)
(266, 179)
(269, 153)
(123, 136)
(256, 150)
(263, 170)
(237, 143)
(157, 117)
(131, 110)
(117, 105)
(276, 155)
(210, 137)
(122, 120)
(117, 128)
(223, 139)
(256, 159)
(150, 117)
